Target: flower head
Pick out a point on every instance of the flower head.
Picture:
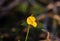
(31, 20)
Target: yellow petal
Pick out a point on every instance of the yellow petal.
(30, 19)
(34, 24)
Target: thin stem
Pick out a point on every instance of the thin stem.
(27, 33)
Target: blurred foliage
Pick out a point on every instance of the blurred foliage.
(13, 20)
(23, 7)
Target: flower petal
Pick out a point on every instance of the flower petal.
(28, 20)
(32, 18)
(34, 24)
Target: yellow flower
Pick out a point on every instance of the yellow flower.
(31, 20)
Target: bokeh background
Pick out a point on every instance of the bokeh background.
(13, 26)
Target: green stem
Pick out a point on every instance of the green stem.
(27, 33)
